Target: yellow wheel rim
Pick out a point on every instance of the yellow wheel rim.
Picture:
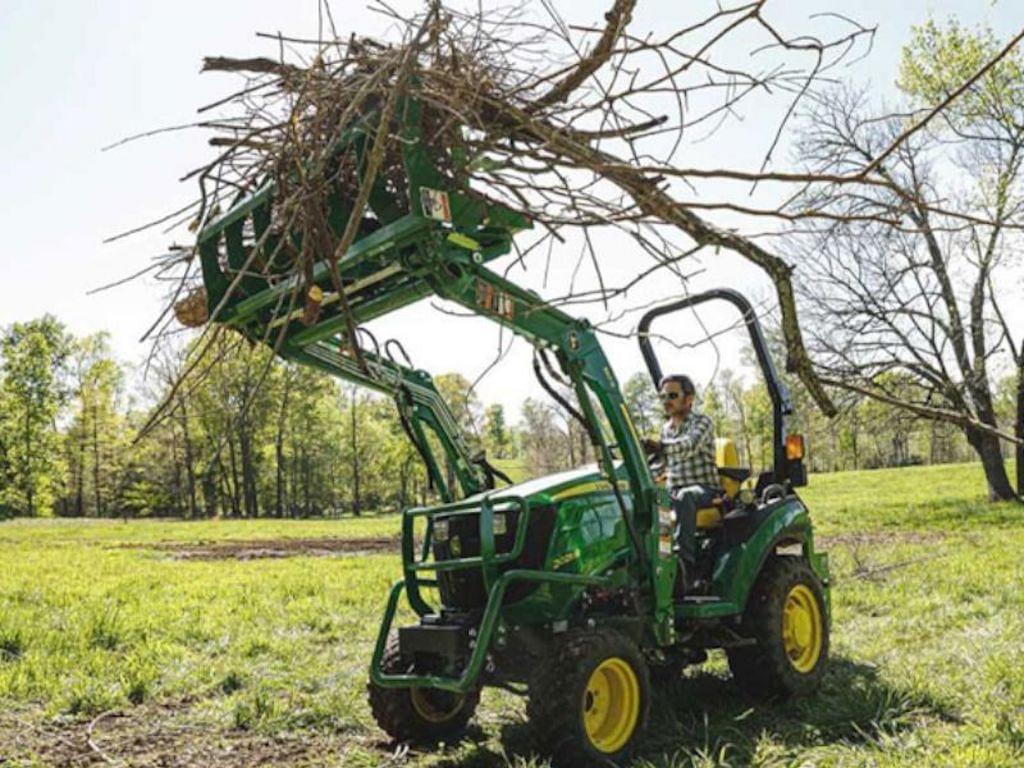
(435, 706)
(802, 629)
(611, 705)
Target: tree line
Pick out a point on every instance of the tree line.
(251, 436)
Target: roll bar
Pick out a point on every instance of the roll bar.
(782, 405)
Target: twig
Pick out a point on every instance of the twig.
(92, 744)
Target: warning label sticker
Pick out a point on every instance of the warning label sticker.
(435, 204)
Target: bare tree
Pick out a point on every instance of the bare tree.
(916, 297)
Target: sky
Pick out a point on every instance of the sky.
(77, 76)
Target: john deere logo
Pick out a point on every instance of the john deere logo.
(455, 546)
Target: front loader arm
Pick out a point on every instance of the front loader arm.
(421, 408)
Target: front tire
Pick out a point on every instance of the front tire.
(787, 618)
(418, 715)
(589, 701)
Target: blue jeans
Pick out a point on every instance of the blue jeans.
(686, 500)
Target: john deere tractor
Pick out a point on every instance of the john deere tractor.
(562, 588)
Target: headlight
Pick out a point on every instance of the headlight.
(500, 525)
(441, 530)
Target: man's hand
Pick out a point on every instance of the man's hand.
(651, 446)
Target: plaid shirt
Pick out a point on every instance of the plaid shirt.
(690, 451)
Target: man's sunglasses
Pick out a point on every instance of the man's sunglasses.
(669, 395)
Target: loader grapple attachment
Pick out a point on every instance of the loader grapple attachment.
(416, 216)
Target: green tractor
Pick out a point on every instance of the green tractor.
(562, 588)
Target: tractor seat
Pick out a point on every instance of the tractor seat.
(731, 475)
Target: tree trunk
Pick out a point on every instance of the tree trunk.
(279, 478)
(990, 452)
(988, 446)
(210, 490)
(248, 472)
(293, 485)
(176, 474)
(234, 485)
(854, 443)
(1018, 428)
(833, 439)
(30, 486)
(356, 500)
(190, 471)
(97, 492)
(80, 475)
(306, 475)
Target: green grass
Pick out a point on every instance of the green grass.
(46, 531)
(104, 634)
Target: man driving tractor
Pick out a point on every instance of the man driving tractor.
(688, 446)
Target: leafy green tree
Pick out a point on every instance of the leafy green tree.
(235, 409)
(463, 402)
(465, 407)
(310, 467)
(32, 393)
(941, 57)
(715, 405)
(642, 401)
(95, 442)
(497, 439)
(737, 425)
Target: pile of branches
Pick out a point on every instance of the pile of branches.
(578, 127)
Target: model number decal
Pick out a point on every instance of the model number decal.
(564, 559)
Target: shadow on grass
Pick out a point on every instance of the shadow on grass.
(704, 716)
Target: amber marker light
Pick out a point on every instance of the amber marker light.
(794, 447)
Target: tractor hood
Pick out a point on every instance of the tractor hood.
(561, 485)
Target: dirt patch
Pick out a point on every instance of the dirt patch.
(158, 737)
(878, 538)
(868, 554)
(255, 549)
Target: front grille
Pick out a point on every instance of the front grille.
(463, 589)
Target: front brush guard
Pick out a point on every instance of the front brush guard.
(488, 624)
(489, 561)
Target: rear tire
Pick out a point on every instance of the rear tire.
(418, 715)
(786, 616)
(589, 699)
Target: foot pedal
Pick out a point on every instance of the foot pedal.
(701, 599)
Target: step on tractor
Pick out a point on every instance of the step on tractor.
(564, 587)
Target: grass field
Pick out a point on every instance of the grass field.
(246, 643)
